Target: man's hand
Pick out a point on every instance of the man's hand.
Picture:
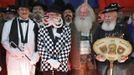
(54, 63)
(35, 58)
(100, 58)
(123, 59)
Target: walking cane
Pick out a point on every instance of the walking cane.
(20, 50)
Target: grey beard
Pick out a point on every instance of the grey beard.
(108, 26)
(83, 25)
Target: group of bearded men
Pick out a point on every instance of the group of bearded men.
(60, 41)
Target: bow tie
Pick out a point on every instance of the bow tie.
(23, 21)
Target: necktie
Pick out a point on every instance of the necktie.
(23, 21)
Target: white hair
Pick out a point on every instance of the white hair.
(84, 25)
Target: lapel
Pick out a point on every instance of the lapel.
(59, 30)
(51, 35)
(13, 35)
(59, 40)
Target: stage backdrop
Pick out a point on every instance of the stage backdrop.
(127, 4)
(5, 3)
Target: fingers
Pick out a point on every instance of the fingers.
(100, 58)
(123, 59)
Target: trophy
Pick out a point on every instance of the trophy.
(112, 49)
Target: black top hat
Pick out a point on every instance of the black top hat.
(69, 7)
(55, 8)
(11, 8)
(42, 5)
(112, 7)
(60, 3)
(25, 4)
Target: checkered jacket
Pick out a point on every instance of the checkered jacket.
(58, 50)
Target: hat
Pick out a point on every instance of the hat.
(2, 10)
(55, 8)
(25, 4)
(112, 7)
(11, 8)
(39, 4)
(60, 3)
(69, 7)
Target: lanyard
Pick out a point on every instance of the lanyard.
(24, 39)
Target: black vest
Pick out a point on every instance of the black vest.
(13, 35)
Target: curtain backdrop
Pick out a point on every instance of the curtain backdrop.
(5, 3)
(127, 4)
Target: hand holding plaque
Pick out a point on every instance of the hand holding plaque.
(113, 48)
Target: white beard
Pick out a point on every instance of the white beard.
(108, 27)
(83, 25)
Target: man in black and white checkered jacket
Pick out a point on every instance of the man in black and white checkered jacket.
(54, 43)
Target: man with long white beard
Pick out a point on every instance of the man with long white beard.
(111, 28)
(84, 18)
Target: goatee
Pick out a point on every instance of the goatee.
(68, 18)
